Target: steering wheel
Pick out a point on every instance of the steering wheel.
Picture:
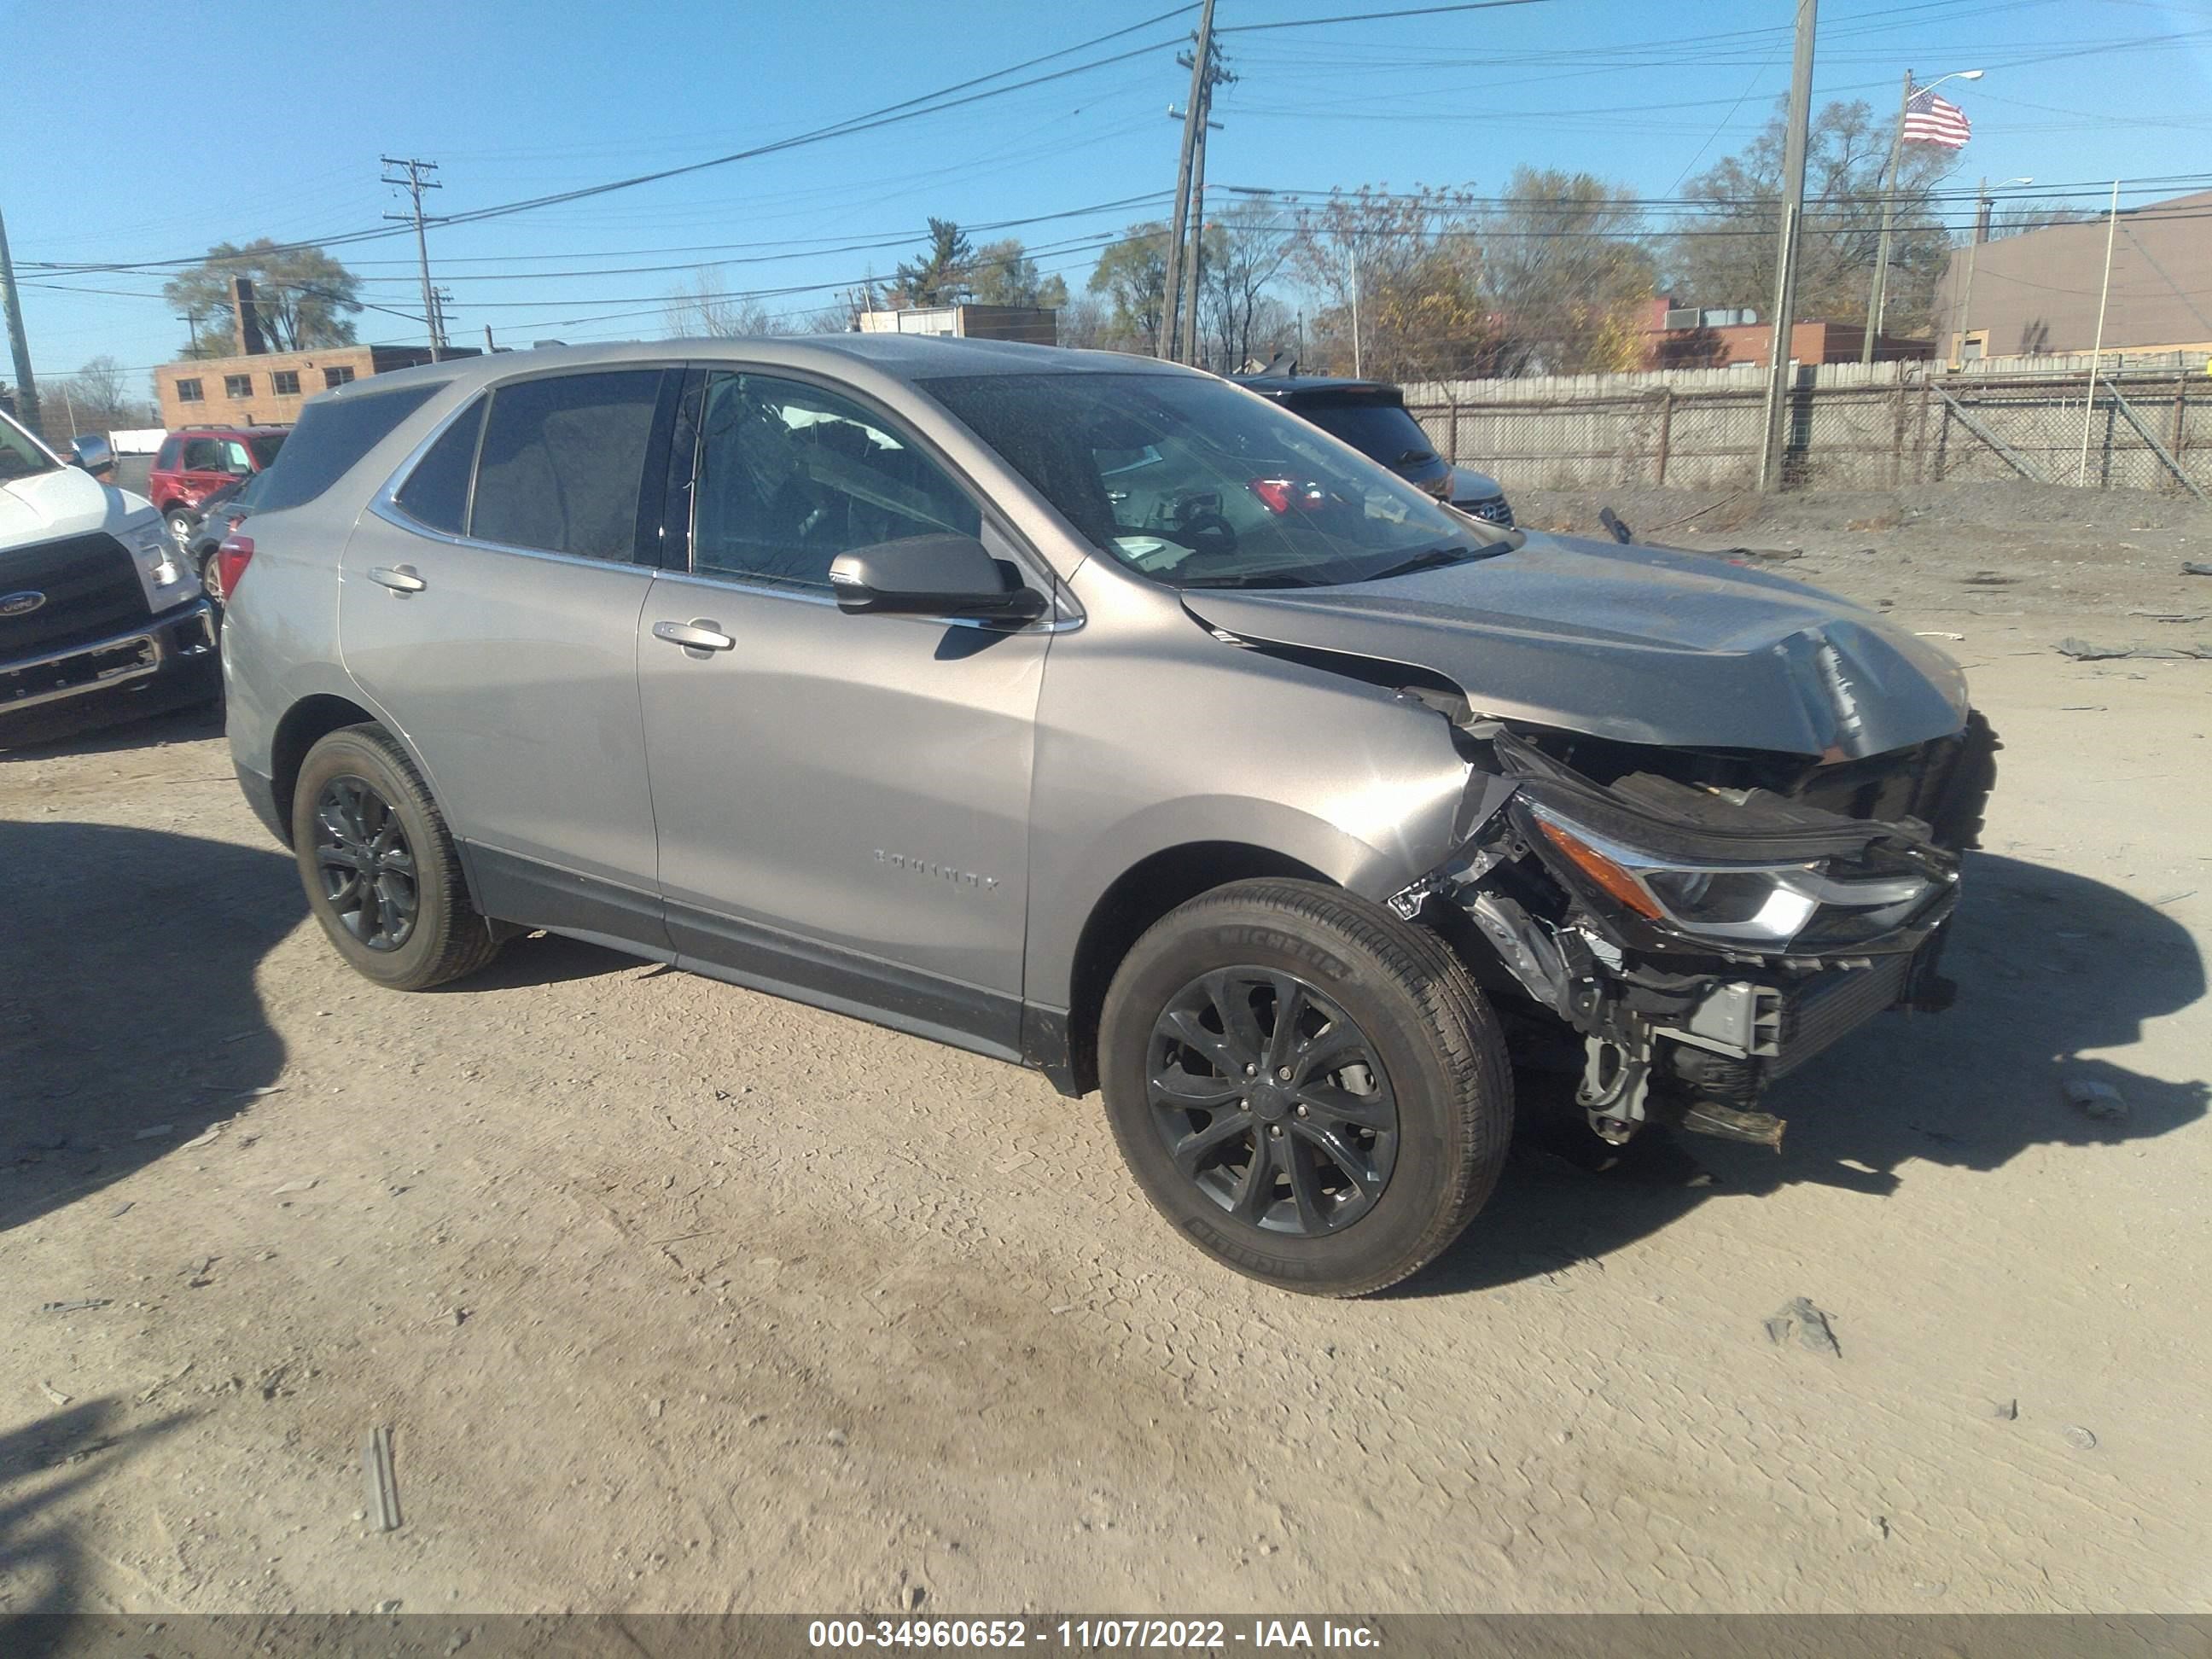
(1202, 532)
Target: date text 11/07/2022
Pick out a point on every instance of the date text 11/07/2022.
(1088, 1633)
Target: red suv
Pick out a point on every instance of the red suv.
(198, 460)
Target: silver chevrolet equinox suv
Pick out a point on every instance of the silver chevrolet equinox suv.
(1095, 714)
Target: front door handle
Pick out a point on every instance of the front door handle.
(400, 579)
(699, 635)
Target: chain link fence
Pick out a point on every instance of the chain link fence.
(1849, 427)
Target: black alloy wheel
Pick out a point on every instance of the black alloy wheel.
(367, 866)
(1271, 1100)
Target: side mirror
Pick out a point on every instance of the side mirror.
(948, 576)
(94, 454)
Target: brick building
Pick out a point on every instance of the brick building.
(266, 388)
(1688, 338)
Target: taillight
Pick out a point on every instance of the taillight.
(1290, 494)
(234, 553)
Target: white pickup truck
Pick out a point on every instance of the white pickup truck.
(99, 618)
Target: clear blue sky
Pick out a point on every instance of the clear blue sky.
(134, 135)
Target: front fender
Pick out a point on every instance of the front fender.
(1140, 752)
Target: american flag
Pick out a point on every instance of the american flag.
(1931, 120)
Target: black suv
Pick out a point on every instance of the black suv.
(1371, 416)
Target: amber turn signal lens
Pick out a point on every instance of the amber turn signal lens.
(1601, 870)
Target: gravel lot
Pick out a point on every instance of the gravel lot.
(681, 1297)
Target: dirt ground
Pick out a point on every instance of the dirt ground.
(680, 1298)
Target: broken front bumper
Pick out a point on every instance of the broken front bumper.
(1599, 903)
(178, 643)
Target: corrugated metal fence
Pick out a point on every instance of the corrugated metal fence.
(1877, 426)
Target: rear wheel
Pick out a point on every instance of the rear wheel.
(378, 865)
(181, 524)
(1313, 1092)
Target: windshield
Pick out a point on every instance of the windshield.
(1382, 430)
(1198, 484)
(19, 457)
(265, 446)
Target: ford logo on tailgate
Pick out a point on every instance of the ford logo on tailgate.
(21, 604)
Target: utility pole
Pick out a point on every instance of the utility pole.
(1785, 264)
(414, 184)
(1171, 305)
(1193, 264)
(2097, 350)
(1878, 290)
(26, 385)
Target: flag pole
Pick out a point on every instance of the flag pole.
(2097, 351)
(1878, 289)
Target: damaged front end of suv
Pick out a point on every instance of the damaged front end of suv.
(1712, 820)
(1703, 924)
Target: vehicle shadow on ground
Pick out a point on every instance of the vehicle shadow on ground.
(128, 1020)
(2049, 965)
(42, 1463)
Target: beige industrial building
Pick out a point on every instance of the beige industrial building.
(266, 388)
(2036, 294)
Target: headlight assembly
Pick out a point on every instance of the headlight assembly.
(1827, 901)
(156, 554)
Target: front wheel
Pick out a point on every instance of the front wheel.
(378, 865)
(1311, 1091)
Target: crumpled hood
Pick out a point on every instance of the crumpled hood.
(66, 502)
(1639, 644)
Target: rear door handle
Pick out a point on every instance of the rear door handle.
(699, 635)
(400, 579)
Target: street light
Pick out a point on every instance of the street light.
(1878, 290)
(1983, 203)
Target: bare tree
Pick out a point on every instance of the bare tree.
(1723, 250)
(1245, 250)
(1415, 258)
(704, 305)
(1567, 274)
(97, 397)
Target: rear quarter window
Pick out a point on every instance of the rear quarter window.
(332, 437)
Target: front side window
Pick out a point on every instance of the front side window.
(790, 476)
(235, 460)
(1196, 484)
(561, 462)
(284, 382)
(188, 392)
(238, 386)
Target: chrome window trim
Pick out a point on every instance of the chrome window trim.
(1055, 625)
(385, 508)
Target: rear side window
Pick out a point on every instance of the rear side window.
(166, 460)
(332, 436)
(436, 493)
(562, 462)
